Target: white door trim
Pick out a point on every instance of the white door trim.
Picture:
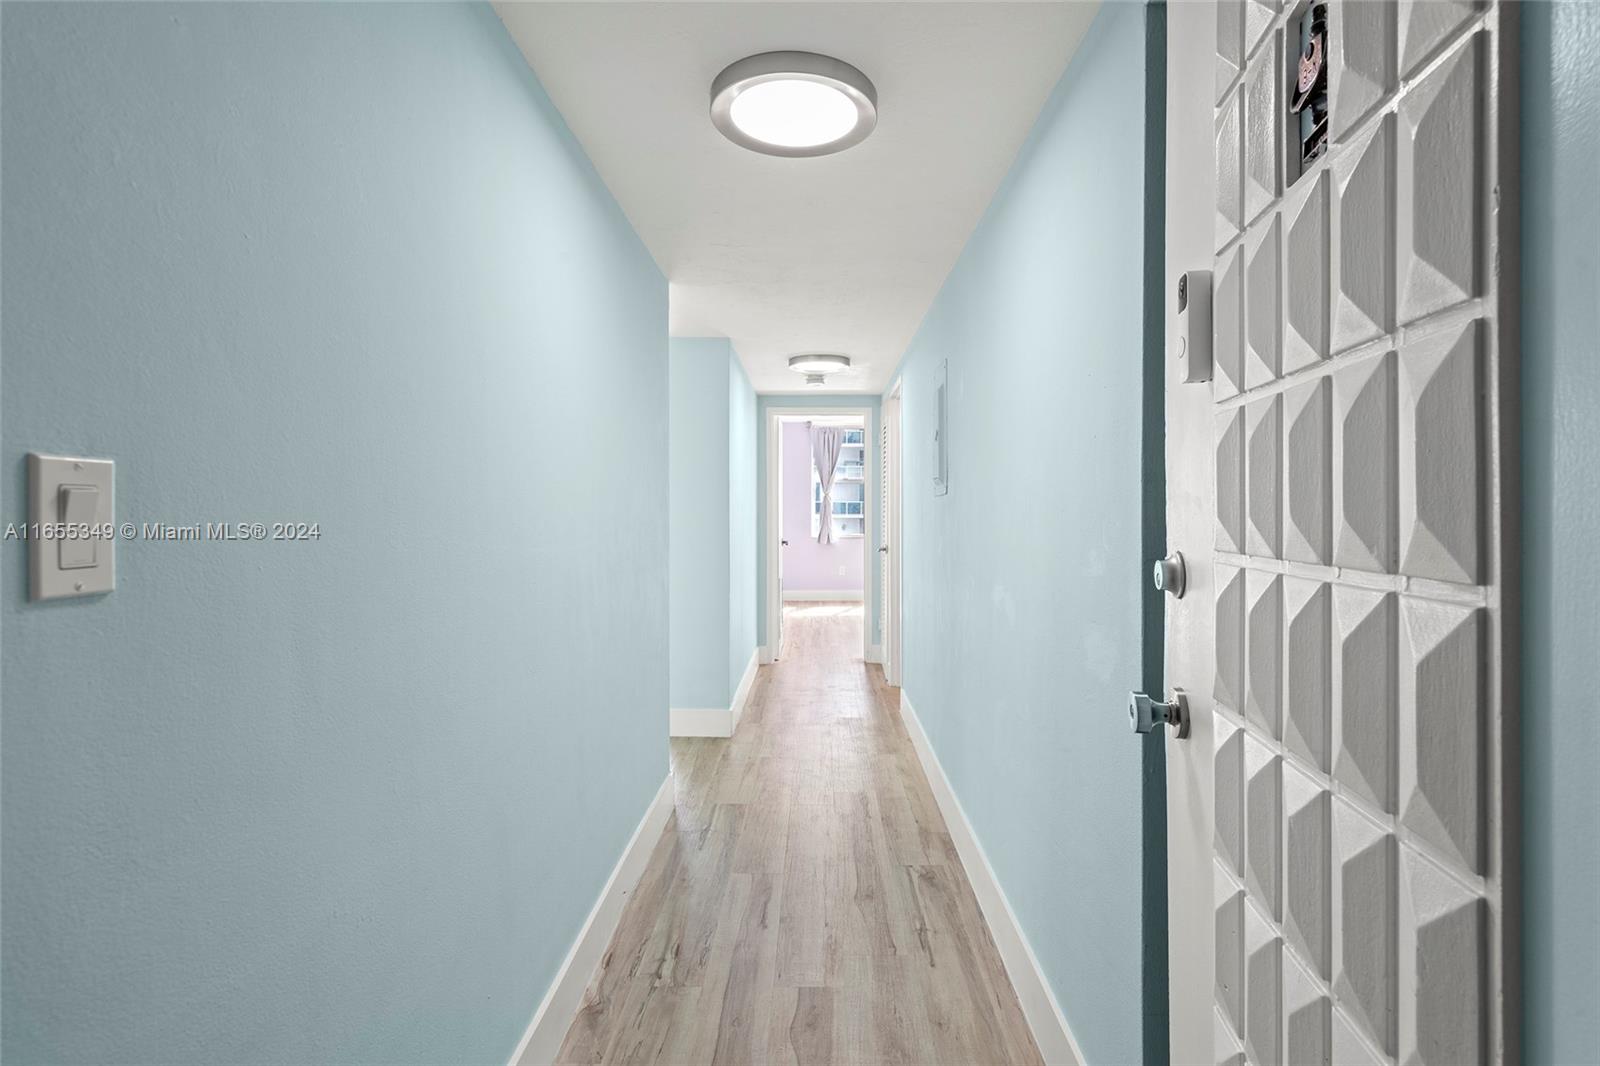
(889, 612)
(774, 471)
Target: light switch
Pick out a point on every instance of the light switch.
(78, 506)
(67, 493)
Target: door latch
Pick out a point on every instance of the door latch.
(1145, 714)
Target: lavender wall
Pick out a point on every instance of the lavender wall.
(807, 565)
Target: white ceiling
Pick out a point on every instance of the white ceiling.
(840, 253)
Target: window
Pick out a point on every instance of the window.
(849, 489)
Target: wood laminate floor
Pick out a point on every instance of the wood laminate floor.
(805, 904)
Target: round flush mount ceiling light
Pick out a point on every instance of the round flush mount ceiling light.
(818, 364)
(793, 104)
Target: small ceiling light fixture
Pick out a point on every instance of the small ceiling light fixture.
(817, 364)
(793, 104)
(816, 381)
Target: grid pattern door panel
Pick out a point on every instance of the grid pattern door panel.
(1358, 542)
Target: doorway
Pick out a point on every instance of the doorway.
(800, 568)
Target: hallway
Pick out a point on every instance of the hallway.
(798, 531)
(805, 904)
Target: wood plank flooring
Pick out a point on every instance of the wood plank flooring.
(805, 903)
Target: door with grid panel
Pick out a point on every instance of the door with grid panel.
(1337, 816)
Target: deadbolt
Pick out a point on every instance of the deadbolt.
(1171, 575)
(1144, 713)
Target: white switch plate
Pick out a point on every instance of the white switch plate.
(47, 476)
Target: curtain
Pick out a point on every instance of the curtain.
(825, 442)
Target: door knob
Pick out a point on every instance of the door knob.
(884, 549)
(1145, 714)
(1171, 575)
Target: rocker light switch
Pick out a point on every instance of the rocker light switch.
(72, 550)
(78, 506)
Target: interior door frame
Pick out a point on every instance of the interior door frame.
(892, 462)
(1189, 655)
(771, 649)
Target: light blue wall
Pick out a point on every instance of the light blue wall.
(870, 407)
(741, 520)
(348, 800)
(1023, 585)
(712, 505)
(699, 501)
(1561, 511)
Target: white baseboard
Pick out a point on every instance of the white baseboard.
(700, 722)
(765, 655)
(1039, 1006)
(542, 1041)
(821, 595)
(741, 695)
(715, 721)
(875, 653)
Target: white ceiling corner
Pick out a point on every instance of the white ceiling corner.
(840, 253)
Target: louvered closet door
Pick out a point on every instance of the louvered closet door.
(890, 667)
(1337, 817)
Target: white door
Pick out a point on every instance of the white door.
(777, 643)
(1336, 824)
(777, 615)
(779, 543)
(889, 534)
